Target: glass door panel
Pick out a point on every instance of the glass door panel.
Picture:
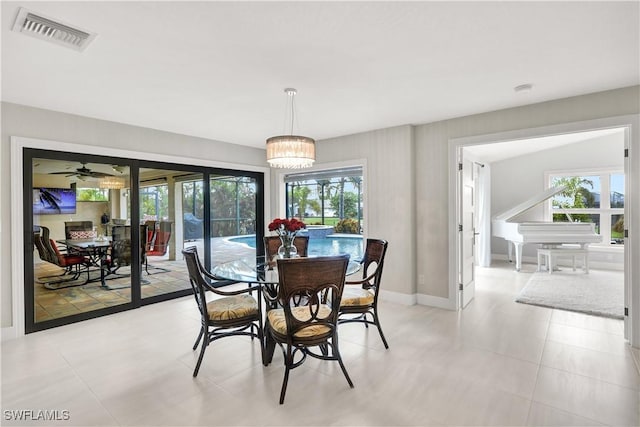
(75, 269)
(234, 207)
(171, 218)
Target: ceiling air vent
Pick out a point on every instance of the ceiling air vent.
(38, 26)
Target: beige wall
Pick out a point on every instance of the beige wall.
(389, 191)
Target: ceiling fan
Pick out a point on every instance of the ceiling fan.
(83, 172)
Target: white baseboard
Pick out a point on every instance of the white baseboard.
(398, 298)
(598, 265)
(413, 299)
(438, 302)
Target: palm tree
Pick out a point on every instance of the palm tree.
(578, 196)
(576, 191)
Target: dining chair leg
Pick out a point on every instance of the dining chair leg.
(337, 355)
(269, 346)
(324, 349)
(288, 362)
(205, 343)
(198, 339)
(377, 321)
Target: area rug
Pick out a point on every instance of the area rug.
(599, 293)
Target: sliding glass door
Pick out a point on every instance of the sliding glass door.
(171, 218)
(234, 217)
(76, 268)
(107, 233)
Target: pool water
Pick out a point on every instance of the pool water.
(330, 245)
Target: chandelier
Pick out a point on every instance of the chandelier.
(112, 182)
(291, 151)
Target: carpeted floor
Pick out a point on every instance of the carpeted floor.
(601, 292)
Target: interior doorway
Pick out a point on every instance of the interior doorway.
(498, 149)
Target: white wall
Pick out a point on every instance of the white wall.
(517, 179)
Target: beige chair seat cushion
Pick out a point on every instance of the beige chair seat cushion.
(279, 324)
(233, 307)
(355, 295)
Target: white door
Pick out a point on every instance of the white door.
(466, 232)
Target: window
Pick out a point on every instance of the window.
(154, 202)
(591, 197)
(92, 194)
(332, 197)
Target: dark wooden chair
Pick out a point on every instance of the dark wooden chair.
(360, 297)
(304, 313)
(272, 243)
(236, 313)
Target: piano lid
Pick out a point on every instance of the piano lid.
(529, 203)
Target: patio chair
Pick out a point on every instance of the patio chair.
(74, 265)
(360, 297)
(46, 256)
(121, 247)
(151, 234)
(304, 313)
(158, 245)
(235, 313)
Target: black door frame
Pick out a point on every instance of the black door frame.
(134, 165)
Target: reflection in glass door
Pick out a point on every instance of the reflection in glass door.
(81, 261)
(171, 218)
(233, 217)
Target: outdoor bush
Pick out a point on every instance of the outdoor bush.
(347, 225)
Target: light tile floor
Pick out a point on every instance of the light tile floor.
(495, 363)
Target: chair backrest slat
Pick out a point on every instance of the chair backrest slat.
(198, 284)
(311, 282)
(375, 252)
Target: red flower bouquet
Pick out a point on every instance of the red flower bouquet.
(287, 230)
(284, 225)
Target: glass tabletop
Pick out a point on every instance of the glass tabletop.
(258, 269)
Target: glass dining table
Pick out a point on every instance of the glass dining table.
(261, 270)
(258, 269)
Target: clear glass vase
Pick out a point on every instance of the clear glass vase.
(287, 249)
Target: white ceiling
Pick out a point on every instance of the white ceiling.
(217, 70)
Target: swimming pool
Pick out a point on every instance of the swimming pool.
(330, 245)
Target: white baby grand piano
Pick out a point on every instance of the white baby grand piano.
(518, 234)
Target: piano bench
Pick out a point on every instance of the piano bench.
(548, 256)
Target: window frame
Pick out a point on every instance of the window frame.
(293, 179)
(605, 211)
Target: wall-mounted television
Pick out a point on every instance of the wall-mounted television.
(48, 200)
